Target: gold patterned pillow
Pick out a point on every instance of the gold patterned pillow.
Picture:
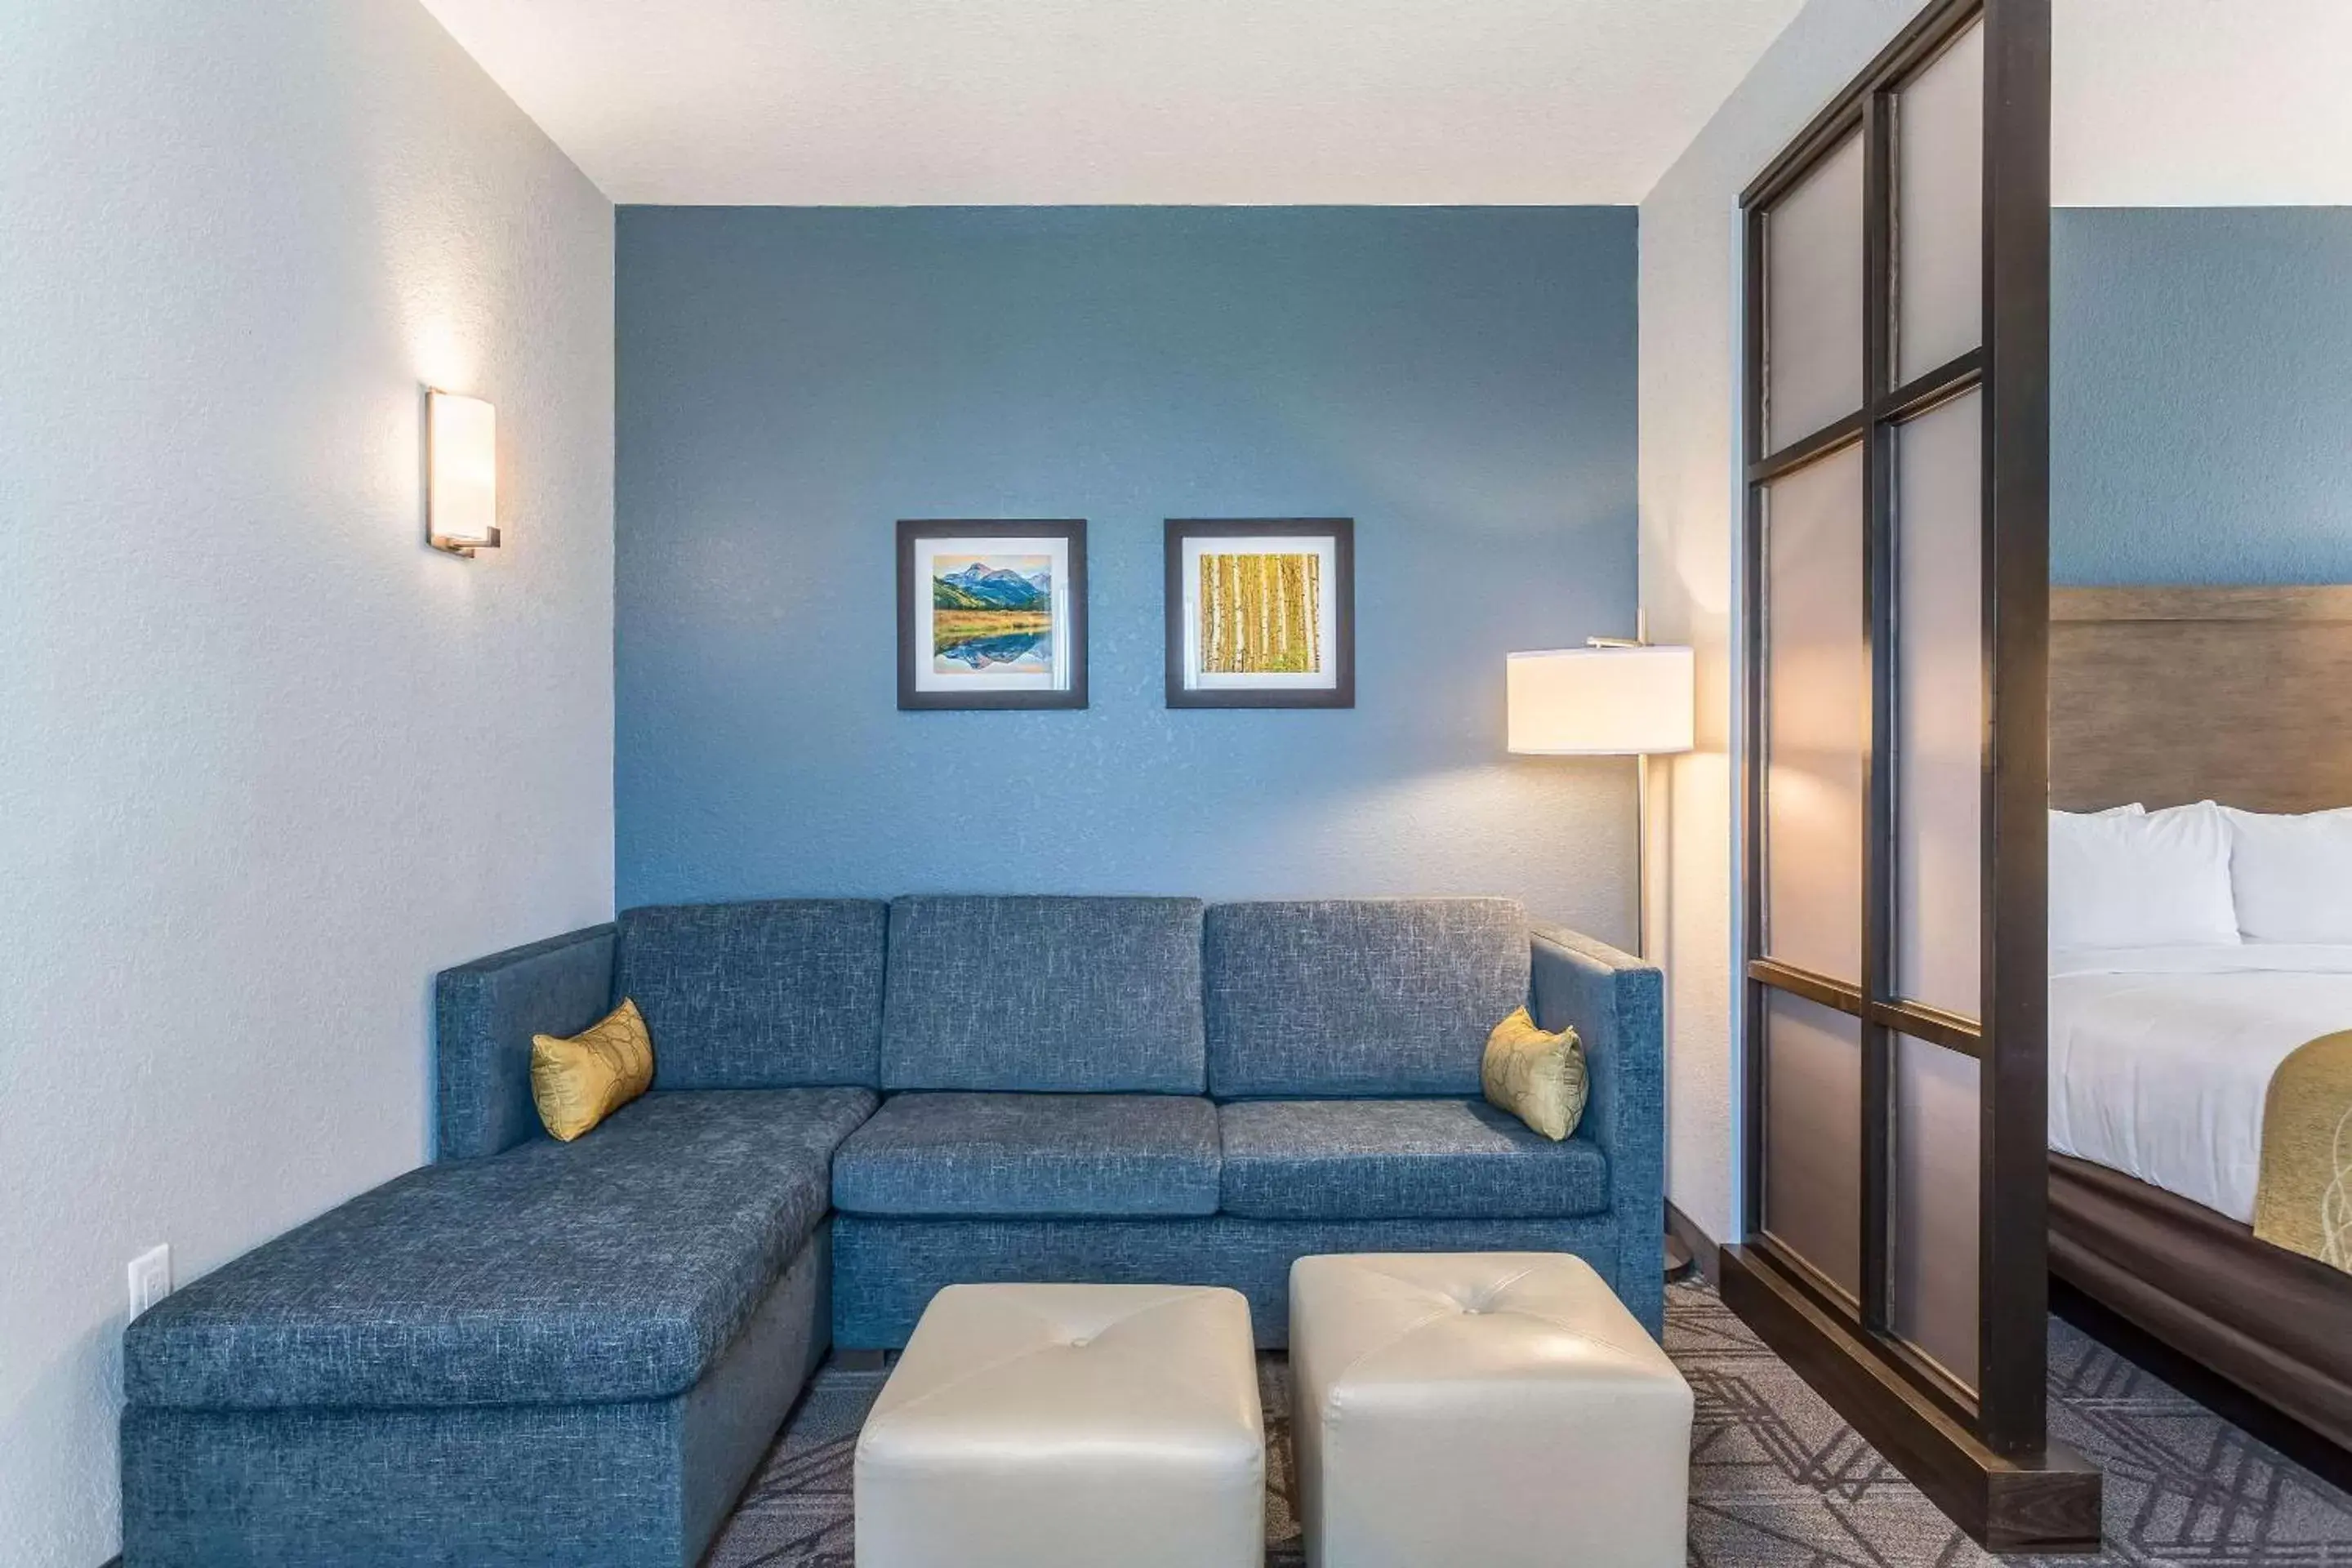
(1536, 1076)
(578, 1082)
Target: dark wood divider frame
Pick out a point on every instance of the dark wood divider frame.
(1980, 1452)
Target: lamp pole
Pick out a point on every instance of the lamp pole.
(1640, 638)
(1615, 697)
(1675, 1257)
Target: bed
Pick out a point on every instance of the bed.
(2161, 1056)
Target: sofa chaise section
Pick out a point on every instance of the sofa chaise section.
(393, 1381)
(616, 1268)
(532, 1353)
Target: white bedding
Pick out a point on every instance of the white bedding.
(2161, 1057)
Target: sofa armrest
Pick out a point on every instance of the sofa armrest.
(1615, 1001)
(484, 1014)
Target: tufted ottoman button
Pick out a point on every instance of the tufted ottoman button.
(1497, 1409)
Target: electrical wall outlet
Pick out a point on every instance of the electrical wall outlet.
(151, 1279)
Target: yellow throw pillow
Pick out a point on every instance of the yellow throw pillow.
(1536, 1076)
(578, 1082)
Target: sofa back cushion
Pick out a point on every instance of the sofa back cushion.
(780, 994)
(1357, 996)
(1069, 995)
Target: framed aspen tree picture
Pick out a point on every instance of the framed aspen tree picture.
(1261, 612)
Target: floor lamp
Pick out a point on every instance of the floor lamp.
(1612, 698)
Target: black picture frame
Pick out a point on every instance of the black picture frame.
(1341, 531)
(1073, 694)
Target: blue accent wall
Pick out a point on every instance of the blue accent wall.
(2201, 396)
(791, 382)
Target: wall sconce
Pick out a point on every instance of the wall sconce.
(461, 464)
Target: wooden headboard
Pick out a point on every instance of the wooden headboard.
(2171, 695)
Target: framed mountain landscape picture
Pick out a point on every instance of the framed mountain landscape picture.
(991, 614)
(1261, 612)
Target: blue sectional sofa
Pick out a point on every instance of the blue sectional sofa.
(536, 1354)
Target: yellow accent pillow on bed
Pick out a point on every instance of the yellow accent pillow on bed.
(580, 1080)
(1537, 1076)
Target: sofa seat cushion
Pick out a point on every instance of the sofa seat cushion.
(1031, 1154)
(1401, 1159)
(617, 1268)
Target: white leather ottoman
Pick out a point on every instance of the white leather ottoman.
(1498, 1408)
(1069, 1426)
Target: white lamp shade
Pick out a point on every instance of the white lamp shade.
(462, 503)
(1601, 701)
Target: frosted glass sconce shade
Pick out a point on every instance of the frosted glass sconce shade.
(461, 455)
(1601, 701)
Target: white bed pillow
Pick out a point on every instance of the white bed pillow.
(2132, 879)
(2292, 876)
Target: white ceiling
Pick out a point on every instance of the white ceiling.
(888, 103)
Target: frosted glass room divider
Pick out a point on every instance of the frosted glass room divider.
(1897, 565)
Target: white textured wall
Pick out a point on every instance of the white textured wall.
(1689, 490)
(2189, 103)
(269, 762)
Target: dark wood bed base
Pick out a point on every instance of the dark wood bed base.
(2271, 1331)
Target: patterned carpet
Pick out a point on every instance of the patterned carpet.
(1777, 1480)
